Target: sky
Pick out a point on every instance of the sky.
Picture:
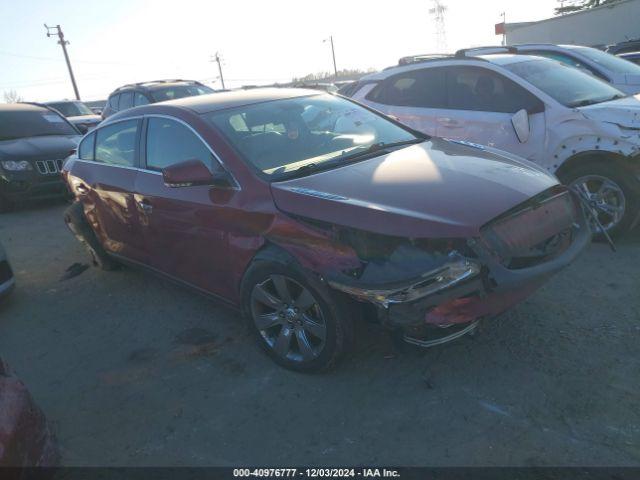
(113, 42)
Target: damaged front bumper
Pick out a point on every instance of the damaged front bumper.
(482, 283)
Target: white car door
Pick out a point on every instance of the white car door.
(481, 105)
(413, 97)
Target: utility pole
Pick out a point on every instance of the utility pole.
(333, 55)
(218, 60)
(437, 12)
(62, 42)
(504, 24)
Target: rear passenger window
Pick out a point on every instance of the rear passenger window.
(126, 100)
(116, 144)
(423, 88)
(85, 151)
(140, 99)
(113, 101)
(480, 89)
(170, 142)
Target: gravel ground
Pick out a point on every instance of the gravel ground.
(133, 370)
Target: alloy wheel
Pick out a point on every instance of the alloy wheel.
(289, 318)
(606, 198)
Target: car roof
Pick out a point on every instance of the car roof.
(155, 85)
(22, 107)
(507, 58)
(499, 59)
(237, 98)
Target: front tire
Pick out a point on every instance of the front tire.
(296, 320)
(613, 192)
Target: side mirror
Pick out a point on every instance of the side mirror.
(520, 122)
(186, 174)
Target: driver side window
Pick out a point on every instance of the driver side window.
(170, 142)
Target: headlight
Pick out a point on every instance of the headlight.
(451, 273)
(16, 166)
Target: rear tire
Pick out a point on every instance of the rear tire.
(615, 193)
(295, 319)
(77, 223)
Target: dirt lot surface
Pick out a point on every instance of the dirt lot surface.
(133, 370)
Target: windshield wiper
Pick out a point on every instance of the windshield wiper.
(375, 148)
(585, 103)
(381, 146)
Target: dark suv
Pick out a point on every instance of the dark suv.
(34, 141)
(143, 93)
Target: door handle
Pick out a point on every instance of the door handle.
(449, 122)
(145, 206)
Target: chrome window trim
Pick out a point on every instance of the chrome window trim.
(215, 155)
(93, 162)
(146, 170)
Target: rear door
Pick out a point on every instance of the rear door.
(105, 181)
(479, 108)
(185, 227)
(414, 97)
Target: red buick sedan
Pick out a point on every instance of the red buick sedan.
(307, 210)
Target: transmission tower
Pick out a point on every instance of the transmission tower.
(437, 13)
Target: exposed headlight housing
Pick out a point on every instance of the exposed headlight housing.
(16, 166)
(457, 270)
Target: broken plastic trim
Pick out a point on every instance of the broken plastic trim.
(439, 341)
(446, 276)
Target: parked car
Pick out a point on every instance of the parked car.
(234, 195)
(572, 124)
(77, 113)
(633, 57)
(622, 74)
(144, 93)
(26, 437)
(632, 45)
(7, 280)
(34, 141)
(96, 106)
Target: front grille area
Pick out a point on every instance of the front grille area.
(537, 232)
(49, 167)
(5, 272)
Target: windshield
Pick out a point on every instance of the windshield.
(71, 109)
(608, 61)
(33, 123)
(179, 91)
(286, 138)
(567, 85)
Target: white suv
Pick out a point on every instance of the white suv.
(572, 124)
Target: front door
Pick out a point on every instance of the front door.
(185, 226)
(480, 106)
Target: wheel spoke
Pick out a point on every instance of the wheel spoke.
(314, 328)
(267, 320)
(280, 283)
(264, 297)
(305, 301)
(609, 209)
(303, 343)
(283, 342)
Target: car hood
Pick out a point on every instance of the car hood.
(50, 146)
(624, 112)
(435, 189)
(85, 119)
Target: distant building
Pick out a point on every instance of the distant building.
(599, 26)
